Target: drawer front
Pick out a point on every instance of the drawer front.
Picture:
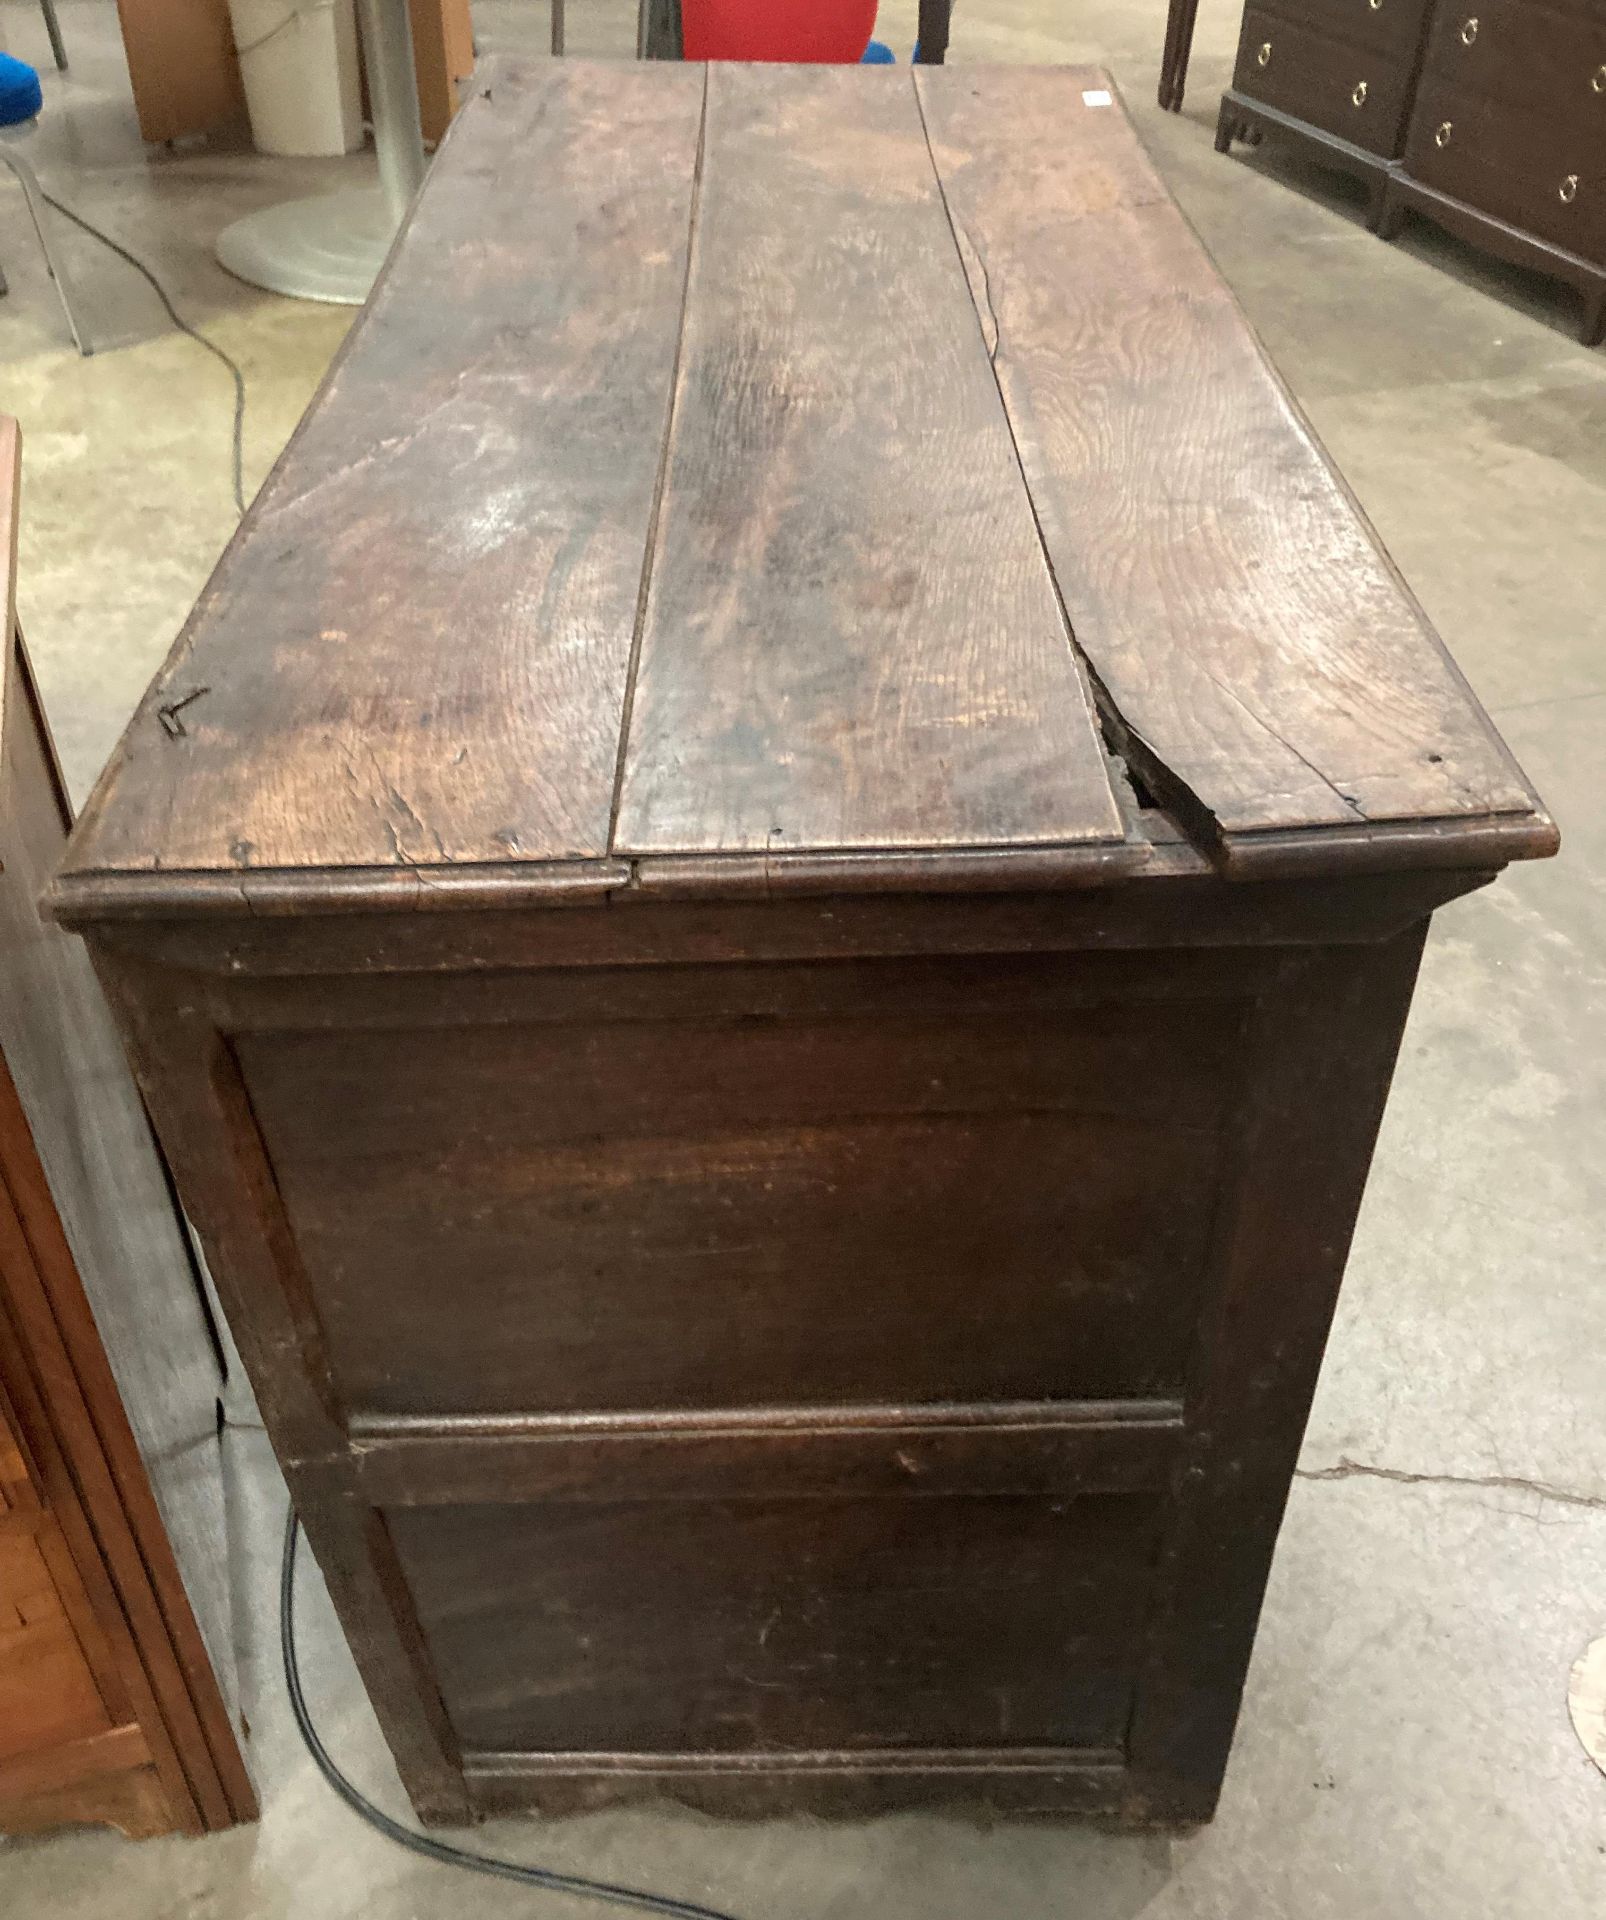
(1360, 96)
(48, 1695)
(1526, 169)
(1535, 56)
(966, 1201)
(709, 1626)
(1391, 27)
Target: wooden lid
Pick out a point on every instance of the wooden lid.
(742, 477)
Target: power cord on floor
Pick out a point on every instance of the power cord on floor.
(428, 1848)
(424, 1844)
(183, 326)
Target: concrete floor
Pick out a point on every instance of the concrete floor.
(1405, 1747)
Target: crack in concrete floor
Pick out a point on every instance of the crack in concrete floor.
(1346, 1469)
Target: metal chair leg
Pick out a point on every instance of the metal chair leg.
(659, 34)
(557, 26)
(58, 46)
(58, 272)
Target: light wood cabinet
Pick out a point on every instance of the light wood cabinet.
(116, 1652)
(186, 73)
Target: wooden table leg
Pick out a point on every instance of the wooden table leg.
(1168, 55)
(1180, 17)
(934, 18)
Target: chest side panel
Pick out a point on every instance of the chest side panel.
(811, 1626)
(883, 1181)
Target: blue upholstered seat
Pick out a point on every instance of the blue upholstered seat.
(20, 94)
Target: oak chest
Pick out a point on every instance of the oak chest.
(767, 910)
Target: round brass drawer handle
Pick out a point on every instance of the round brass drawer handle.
(1469, 30)
(1359, 95)
(1597, 80)
(1441, 135)
(1263, 58)
(1567, 192)
(1375, 5)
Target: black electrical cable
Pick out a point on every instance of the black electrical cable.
(183, 326)
(422, 1843)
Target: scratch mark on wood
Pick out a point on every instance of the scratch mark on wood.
(169, 715)
(1349, 801)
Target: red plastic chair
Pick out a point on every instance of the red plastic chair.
(806, 30)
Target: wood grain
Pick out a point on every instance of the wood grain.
(1317, 1067)
(1021, 1184)
(48, 1696)
(854, 1784)
(1189, 911)
(844, 1350)
(1266, 666)
(448, 1540)
(721, 1627)
(79, 1533)
(79, 1760)
(1045, 1449)
(443, 61)
(414, 652)
(709, 551)
(133, 1800)
(206, 1122)
(851, 637)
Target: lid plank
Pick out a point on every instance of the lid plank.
(1264, 663)
(415, 653)
(851, 637)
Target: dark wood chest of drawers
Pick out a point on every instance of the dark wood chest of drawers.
(1487, 118)
(1347, 67)
(767, 911)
